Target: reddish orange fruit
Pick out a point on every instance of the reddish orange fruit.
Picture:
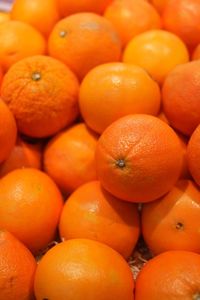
(196, 53)
(193, 155)
(159, 5)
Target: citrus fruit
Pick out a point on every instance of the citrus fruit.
(193, 155)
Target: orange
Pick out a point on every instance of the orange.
(17, 269)
(4, 16)
(159, 5)
(173, 275)
(176, 216)
(70, 7)
(126, 16)
(185, 174)
(8, 131)
(92, 213)
(23, 155)
(193, 155)
(139, 158)
(157, 51)
(113, 90)
(19, 40)
(181, 96)
(42, 93)
(196, 53)
(182, 18)
(30, 206)
(83, 41)
(83, 269)
(69, 157)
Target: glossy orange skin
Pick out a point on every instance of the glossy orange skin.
(182, 18)
(8, 131)
(23, 155)
(42, 15)
(173, 275)
(181, 94)
(176, 216)
(113, 90)
(92, 213)
(19, 40)
(139, 158)
(17, 269)
(84, 40)
(30, 207)
(83, 269)
(193, 155)
(42, 93)
(162, 51)
(126, 16)
(69, 157)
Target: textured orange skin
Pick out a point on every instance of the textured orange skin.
(83, 269)
(69, 158)
(113, 90)
(182, 18)
(173, 275)
(70, 7)
(193, 155)
(89, 40)
(17, 269)
(151, 153)
(160, 219)
(157, 51)
(30, 206)
(8, 131)
(181, 96)
(23, 155)
(19, 40)
(131, 18)
(196, 53)
(159, 5)
(45, 106)
(42, 15)
(92, 213)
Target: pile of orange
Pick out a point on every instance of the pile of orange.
(100, 150)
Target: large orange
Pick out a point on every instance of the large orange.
(173, 275)
(69, 158)
(157, 51)
(181, 96)
(126, 16)
(193, 155)
(113, 90)
(8, 131)
(182, 18)
(83, 269)
(4, 16)
(17, 269)
(92, 213)
(176, 217)
(42, 93)
(83, 41)
(30, 206)
(19, 40)
(40, 14)
(138, 158)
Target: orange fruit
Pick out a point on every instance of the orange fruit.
(193, 155)
(69, 157)
(181, 95)
(159, 5)
(157, 51)
(185, 174)
(23, 155)
(30, 206)
(70, 7)
(19, 40)
(83, 41)
(196, 53)
(182, 18)
(40, 14)
(138, 158)
(170, 275)
(176, 216)
(8, 131)
(4, 16)
(125, 89)
(92, 213)
(83, 269)
(126, 16)
(17, 269)
(42, 93)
